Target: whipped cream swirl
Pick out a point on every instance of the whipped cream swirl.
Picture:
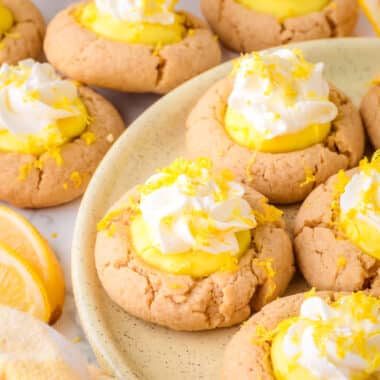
(336, 343)
(280, 93)
(34, 97)
(150, 11)
(196, 213)
(362, 197)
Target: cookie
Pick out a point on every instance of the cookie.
(83, 55)
(281, 177)
(244, 30)
(370, 114)
(184, 302)
(25, 38)
(35, 351)
(47, 182)
(326, 257)
(244, 358)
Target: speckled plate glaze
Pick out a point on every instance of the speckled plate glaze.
(130, 348)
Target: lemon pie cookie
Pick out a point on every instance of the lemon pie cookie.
(337, 231)
(53, 134)
(192, 249)
(22, 30)
(31, 350)
(278, 124)
(312, 336)
(370, 113)
(248, 25)
(130, 45)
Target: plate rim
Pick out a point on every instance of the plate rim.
(104, 348)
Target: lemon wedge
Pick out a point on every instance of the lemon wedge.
(20, 285)
(371, 8)
(22, 238)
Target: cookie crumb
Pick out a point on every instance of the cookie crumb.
(77, 339)
(54, 235)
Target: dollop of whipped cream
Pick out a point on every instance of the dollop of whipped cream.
(34, 97)
(281, 93)
(361, 197)
(339, 341)
(150, 11)
(189, 206)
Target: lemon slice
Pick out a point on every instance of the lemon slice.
(20, 285)
(19, 235)
(371, 9)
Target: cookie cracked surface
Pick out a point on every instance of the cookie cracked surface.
(184, 303)
(25, 38)
(244, 30)
(326, 258)
(282, 177)
(48, 183)
(102, 62)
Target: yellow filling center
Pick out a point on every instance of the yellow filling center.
(285, 8)
(243, 133)
(144, 33)
(51, 137)
(6, 20)
(192, 263)
(364, 234)
(358, 308)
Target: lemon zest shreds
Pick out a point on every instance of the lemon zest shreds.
(88, 137)
(76, 179)
(341, 262)
(267, 265)
(311, 293)
(310, 177)
(268, 213)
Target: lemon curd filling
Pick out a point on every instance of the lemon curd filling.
(195, 263)
(242, 133)
(283, 9)
(279, 103)
(336, 341)
(357, 204)
(146, 33)
(192, 220)
(6, 20)
(31, 123)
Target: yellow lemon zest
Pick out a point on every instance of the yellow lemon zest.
(341, 262)
(76, 179)
(267, 265)
(269, 213)
(310, 177)
(311, 293)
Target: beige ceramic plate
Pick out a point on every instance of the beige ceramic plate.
(130, 348)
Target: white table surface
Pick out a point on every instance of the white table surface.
(61, 220)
